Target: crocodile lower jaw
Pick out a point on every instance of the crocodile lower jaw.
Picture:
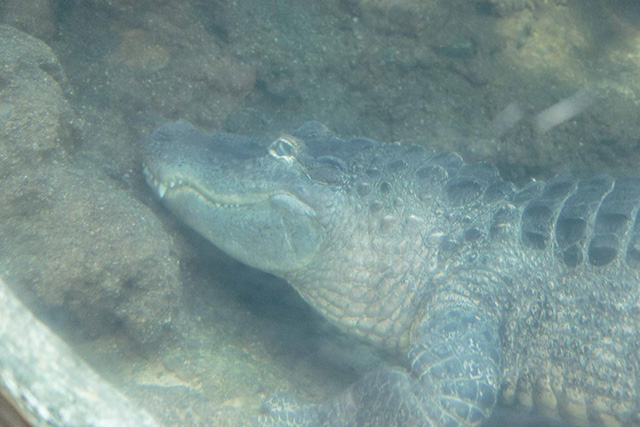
(223, 202)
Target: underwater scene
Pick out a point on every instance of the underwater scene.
(320, 212)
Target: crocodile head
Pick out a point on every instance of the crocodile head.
(338, 219)
(251, 197)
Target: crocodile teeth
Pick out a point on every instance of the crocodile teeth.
(225, 205)
(161, 190)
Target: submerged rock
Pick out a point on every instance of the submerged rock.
(76, 248)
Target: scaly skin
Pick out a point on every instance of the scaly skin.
(526, 296)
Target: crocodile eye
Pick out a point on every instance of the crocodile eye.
(283, 147)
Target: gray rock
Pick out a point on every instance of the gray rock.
(74, 246)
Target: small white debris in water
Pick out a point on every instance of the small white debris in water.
(563, 110)
(507, 118)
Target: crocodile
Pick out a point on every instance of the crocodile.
(492, 294)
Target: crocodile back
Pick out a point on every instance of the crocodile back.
(561, 260)
(567, 254)
(593, 221)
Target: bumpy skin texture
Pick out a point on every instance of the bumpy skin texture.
(527, 296)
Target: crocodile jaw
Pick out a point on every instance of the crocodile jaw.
(289, 230)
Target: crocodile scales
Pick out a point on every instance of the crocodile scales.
(525, 296)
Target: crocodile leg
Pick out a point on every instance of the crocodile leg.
(456, 363)
(452, 381)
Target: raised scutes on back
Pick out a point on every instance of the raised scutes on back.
(578, 209)
(539, 214)
(470, 183)
(589, 221)
(614, 220)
